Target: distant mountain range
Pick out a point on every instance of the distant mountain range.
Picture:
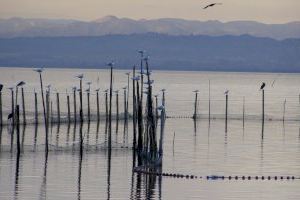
(169, 52)
(19, 27)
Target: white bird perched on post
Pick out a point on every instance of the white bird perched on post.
(226, 92)
(110, 64)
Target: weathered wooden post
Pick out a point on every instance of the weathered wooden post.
(12, 104)
(68, 106)
(36, 116)
(88, 100)
(98, 107)
(1, 114)
(226, 110)
(125, 105)
(128, 76)
(80, 76)
(243, 112)
(110, 104)
(58, 107)
(43, 101)
(18, 129)
(284, 106)
(209, 101)
(75, 104)
(134, 110)
(117, 104)
(195, 116)
(23, 106)
(106, 105)
(263, 109)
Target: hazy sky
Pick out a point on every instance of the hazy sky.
(269, 11)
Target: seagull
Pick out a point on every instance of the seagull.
(39, 70)
(10, 116)
(124, 88)
(196, 91)
(105, 91)
(163, 90)
(1, 86)
(89, 83)
(87, 90)
(141, 52)
(21, 83)
(10, 88)
(116, 91)
(127, 73)
(80, 76)
(97, 90)
(74, 88)
(146, 58)
(226, 92)
(110, 64)
(211, 5)
(262, 86)
(156, 95)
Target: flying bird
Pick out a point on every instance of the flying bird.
(211, 5)
(262, 86)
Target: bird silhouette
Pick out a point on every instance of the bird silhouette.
(21, 83)
(1, 86)
(226, 92)
(262, 86)
(10, 116)
(211, 5)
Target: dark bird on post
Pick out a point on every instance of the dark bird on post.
(211, 5)
(10, 116)
(21, 83)
(262, 86)
(1, 86)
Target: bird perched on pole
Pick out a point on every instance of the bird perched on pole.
(1, 87)
(226, 92)
(262, 86)
(211, 5)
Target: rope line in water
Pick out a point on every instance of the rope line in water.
(217, 177)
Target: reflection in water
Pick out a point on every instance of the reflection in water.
(43, 190)
(68, 134)
(0, 137)
(57, 135)
(108, 171)
(97, 133)
(17, 177)
(79, 177)
(35, 136)
(23, 135)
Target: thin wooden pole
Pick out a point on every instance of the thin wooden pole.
(117, 105)
(45, 117)
(18, 129)
(156, 105)
(106, 106)
(89, 109)
(134, 110)
(195, 106)
(127, 96)
(125, 105)
(23, 106)
(80, 95)
(110, 106)
(1, 115)
(209, 100)
(12, 106)
(98, 108)
(58, 107)
(263, 113)
(75, 105)
(284, 108)
(68, 106)
(243, 112)
(226, 113)
(36, 108)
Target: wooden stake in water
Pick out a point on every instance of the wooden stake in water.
(68, 106)
(23, 106)
(75, 104)
(284, 106)
(117, 104)
(18, 129)
(125, 105)
(226, 110)
(58, 107)
(110, 104)
(195, 116)
(134, 110)
(243, 112)
(36, 116)
(89, 108)
(128, 74)
(12, 105)
(106, 105)
(209, 100)
(263, 113)
(1, 115)
(98, 108)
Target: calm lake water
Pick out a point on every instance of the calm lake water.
(197, 148)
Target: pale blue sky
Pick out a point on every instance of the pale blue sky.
(268, 11)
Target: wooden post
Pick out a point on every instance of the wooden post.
(45, 116)
(117, 105)
(98, 109)
(125, 105)
(58, 107)
(226, 113)
(12, 106)
(127, 96)
(209, 101)
(195, 106)
(134, 110)
(69, 113)
(110, 105)
(23, 106)
(75, 105)
(18, 129)
(284, 106)
(106, 106)
(1, 115)
(80, 95)
(35, 108)
(156, 105)
(263, 113)
(243, 112)
(89, 110)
